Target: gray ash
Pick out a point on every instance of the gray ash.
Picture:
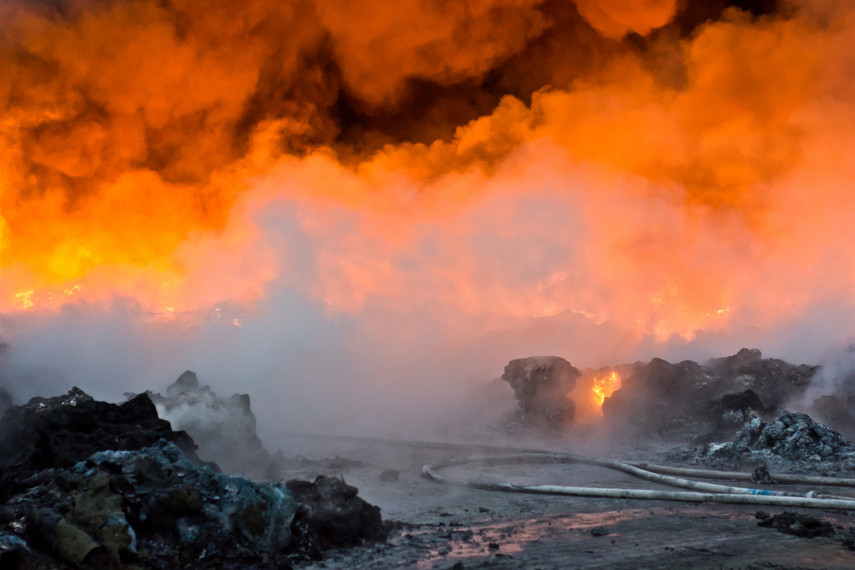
(791, 442)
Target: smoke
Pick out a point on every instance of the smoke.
(616, 18)
(335, 206)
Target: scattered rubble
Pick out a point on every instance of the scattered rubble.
(223, 428)
(761, 476)
(688, 400)
(330, 515)
(797, 524)
(91, 484)
(541, 385)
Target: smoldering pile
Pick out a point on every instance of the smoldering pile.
(93, 484)
(791, 442)
(676, 401)
(733, 409)
(223, 428)
(707, 401)
(540, 385)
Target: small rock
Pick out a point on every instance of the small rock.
(599, 531)
(761, 475)
(798, 525)
(14, 552)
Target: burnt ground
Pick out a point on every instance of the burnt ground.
(441, 526)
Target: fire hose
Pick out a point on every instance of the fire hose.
(740, 476)
(702, 492)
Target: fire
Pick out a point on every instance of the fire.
(501, 160)
(25, 299)
(604, 386)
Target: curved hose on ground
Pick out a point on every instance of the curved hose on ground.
(739, 476)
(710, 492)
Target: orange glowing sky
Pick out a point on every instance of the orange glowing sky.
(666, 166)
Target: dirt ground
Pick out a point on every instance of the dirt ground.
(442, 526)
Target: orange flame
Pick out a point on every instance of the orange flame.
(604, 386)
(498, 159)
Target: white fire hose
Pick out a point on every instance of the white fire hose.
(740, 476)
(704, 492)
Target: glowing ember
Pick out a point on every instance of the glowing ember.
(25, 299)
(604, 386)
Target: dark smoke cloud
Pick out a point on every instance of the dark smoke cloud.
(176, 87)
(620, 179)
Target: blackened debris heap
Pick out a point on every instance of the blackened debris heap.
(331, 515)
(61, 431)
(687, 399)
(541, 385)
(791, 442)
(95, 485)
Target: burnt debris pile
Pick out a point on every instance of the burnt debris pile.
(151, 508)
(61, 431)
(789, 442)
(541, 385)
(223, 428)
(330, 515)
(96, 485)
(688, 400)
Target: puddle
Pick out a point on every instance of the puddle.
(458, 543)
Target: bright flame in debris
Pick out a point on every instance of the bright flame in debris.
(604, 386)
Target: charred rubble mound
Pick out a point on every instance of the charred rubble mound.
(790, 442)
(94, 485)
(541, 385)
(223, 428)
(62, 431)
(690, 400)
(330, 515)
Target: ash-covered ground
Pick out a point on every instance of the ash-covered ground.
(91, 484)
